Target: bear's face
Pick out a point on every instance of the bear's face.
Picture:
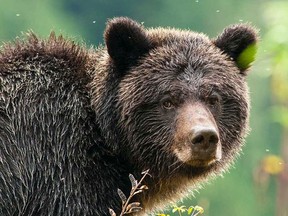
(181, 101)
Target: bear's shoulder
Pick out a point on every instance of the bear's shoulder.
(54, 52)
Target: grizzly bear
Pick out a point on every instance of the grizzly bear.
(75, 122)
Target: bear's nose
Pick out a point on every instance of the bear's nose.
(204, 138)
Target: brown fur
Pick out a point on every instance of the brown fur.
(75, 122)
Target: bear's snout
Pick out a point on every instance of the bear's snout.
(205, 138)
(197, 140)
(205, 145)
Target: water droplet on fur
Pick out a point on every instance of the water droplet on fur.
(94, 22)
(267, 150)
(17, 15)
(217, 11)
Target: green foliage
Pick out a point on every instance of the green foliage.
(280, 114)
(40, 16)
(276, 41)
(183, 210)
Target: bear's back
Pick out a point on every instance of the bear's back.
(46, 124)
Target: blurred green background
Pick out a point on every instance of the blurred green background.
(258, 183)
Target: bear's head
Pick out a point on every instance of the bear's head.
(173, 101)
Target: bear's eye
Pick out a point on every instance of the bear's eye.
(167, 104)
(213, 99)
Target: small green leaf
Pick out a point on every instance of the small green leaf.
(179, 209)
(199, 209)
(175, 209)
(190, 210)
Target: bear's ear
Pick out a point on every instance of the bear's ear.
(126, 41)
(239, 43)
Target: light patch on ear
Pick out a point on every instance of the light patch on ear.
(239, 43)
(247, 56)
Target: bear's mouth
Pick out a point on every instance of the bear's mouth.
(201, 162)
(203, 158)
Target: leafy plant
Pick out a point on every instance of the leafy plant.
(137, 187)
(183, 210)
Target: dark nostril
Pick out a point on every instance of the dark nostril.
(213, 139)
(198, 139)
(204, 136)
